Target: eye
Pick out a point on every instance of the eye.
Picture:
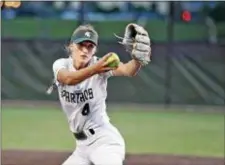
(80, 45)
(90, 46)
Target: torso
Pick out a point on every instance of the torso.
(84, 103)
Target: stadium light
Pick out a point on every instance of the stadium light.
(8, 4)
(17, 4)
(14, 4)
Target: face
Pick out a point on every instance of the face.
(83, 52)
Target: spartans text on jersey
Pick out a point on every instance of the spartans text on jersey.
(77, 97)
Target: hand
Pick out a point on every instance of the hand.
(137, 42)
(141, 52)
(102, 65)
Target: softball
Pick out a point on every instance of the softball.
(113, 60)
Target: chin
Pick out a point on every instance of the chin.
(84, 61)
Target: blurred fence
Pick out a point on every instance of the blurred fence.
(197, 72)
(61, 29)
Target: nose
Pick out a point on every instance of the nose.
(84, 49)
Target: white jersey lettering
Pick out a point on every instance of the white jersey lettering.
(84, 103)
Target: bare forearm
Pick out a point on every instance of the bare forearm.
(73, 78)
(133, 67)
(128, 69)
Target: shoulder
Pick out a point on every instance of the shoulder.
(61, 63)
(61, 60)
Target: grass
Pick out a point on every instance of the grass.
(145, 132)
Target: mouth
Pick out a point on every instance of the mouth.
(84, 56)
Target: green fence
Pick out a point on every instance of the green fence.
(197, 72)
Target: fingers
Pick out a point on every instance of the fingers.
(143, 39)
(105, 69)
(141, 47)
(105, 57)
(106, 61)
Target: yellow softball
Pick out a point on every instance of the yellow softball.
(113, 60)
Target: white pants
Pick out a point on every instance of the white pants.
(105, 147)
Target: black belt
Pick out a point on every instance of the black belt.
(82, 135)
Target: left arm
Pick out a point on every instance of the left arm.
(128, 69)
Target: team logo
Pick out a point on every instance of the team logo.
(78, 97)
(87, 34)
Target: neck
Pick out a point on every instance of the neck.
(79, 65)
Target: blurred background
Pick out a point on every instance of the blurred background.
(187, 40)
(187, 72)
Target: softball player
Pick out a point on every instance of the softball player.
(81, 80)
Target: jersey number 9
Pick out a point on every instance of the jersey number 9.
(85, 110)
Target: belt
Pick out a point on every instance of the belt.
(82, 135)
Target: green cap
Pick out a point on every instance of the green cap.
(84, 35)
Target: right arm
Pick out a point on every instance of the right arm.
(64, 76)
(74, 77)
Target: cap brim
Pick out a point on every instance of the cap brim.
(77, 41)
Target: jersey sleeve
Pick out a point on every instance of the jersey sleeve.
(57, 65)
(107, 74)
